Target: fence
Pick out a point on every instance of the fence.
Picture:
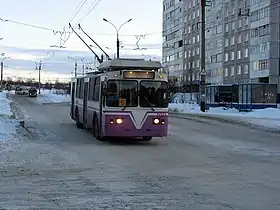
(242, 96)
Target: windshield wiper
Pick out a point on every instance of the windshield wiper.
(149, 103)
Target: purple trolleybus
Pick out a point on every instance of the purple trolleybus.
(125, 98)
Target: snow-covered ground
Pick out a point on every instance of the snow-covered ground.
(51, 96)
(269, 117)
(7, 123)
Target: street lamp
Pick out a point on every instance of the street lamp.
(117, 30)
(2, 69)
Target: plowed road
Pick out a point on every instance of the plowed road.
(203, 164)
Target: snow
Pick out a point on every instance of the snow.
(7, 123)
(5, 108)
(52, 96)
(269, 117)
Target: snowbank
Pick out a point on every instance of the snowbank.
(7, 124)
(269, 117)
(48, 96)
(5, 108)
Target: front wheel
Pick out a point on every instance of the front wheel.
(146, 138)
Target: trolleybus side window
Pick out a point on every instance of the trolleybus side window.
(153, 93)
(122, 93)
(91, 89)
(80, 88)
(96, 89)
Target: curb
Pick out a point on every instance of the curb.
(225, 119)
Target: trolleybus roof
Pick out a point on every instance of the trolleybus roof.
(128, 63)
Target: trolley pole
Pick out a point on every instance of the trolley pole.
(202, 58)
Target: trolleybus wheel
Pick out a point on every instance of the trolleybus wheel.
(78, 124)
(96, 131)
(146, 138)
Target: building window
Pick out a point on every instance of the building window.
(219, 57)
(219, 43)
(232, 25)
(232, 71)
(197, 63)
(239, 23)
(246, 36)
(226, 56)
(197, 51)
(232, 56)
(239, 38)
(197, 38)
(226, 42)
(246, 69)
(238, 54)
(239, 70)
(246, 53)
(263, 64)
(232, 40)
(226, 27)
(226, 72)
(246, 21)
(193, 40)
(214, 59)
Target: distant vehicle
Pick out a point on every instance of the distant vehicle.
(32, 92)
(126, 98)
(21, 91)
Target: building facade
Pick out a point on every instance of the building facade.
(242, 41)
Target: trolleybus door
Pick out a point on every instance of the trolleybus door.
(85, 104)
(73, 94)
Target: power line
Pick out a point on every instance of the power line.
(92, 7)
(55, 31)
(82, 3)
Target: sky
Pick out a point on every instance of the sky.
(26, 46)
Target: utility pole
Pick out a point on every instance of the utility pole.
(75, 69)
(2, 70)
(76, 64)
(39, 69)
(202, 58)
(83, 67)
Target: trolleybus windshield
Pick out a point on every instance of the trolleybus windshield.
(153, 94)
(122, 93)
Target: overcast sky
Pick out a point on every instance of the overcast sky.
(25, 45)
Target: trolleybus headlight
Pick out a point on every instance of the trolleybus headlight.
(156, 121)
(119, 121)
(162, 122)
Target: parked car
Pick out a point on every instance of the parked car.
(32, 92)
(21, 90)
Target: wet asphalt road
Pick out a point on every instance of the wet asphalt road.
(203, 164)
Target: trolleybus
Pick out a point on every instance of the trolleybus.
(124, 98)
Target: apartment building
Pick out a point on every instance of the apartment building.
(242, 41)
(181, 38)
